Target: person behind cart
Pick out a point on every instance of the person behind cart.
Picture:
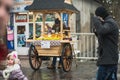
(56, 28)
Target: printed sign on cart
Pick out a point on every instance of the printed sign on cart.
(45, 44)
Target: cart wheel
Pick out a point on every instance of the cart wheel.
(34, 60)
(67, 57)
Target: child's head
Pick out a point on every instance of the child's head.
(10, 60)
(11, 57)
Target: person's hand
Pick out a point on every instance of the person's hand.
(101, 19)
(96, 21)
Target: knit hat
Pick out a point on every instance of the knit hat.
(102, 12)
(57, 21)
(14, 54)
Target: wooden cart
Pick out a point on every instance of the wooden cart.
(64, 49)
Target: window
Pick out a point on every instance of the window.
(21, 38)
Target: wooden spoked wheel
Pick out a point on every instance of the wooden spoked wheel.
(34, 60)
(67, 57)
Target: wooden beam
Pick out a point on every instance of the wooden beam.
(27, 16)
(34, 26)
(43, 26)
(61, 25)
(55, 10)
(69, 23)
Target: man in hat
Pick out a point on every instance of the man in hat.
(56, 27)
(5, 6)
(106, 29)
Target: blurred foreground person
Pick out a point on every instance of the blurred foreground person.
(13, 69)
(5, 7)
(106, 30)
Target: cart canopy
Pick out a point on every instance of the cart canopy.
(51, 5)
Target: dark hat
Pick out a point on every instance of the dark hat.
(102, 12)
(57, 21)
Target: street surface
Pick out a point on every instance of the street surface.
(85, 70)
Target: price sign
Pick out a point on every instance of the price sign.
(45, 44)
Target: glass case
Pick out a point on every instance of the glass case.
(38, 30)
(49, 21)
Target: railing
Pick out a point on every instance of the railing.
(85, 45)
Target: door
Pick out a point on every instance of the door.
(20, 39)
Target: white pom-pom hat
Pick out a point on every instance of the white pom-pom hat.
(14, 54)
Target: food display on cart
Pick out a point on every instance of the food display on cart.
(50, 37)
(53, 41)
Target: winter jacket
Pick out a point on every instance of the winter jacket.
(17, 74)
(107, 33)
(13, 73)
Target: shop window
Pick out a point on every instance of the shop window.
(21, 30)
(21, 38)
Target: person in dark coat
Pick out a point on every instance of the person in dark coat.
(106, 30)
(5, 7)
